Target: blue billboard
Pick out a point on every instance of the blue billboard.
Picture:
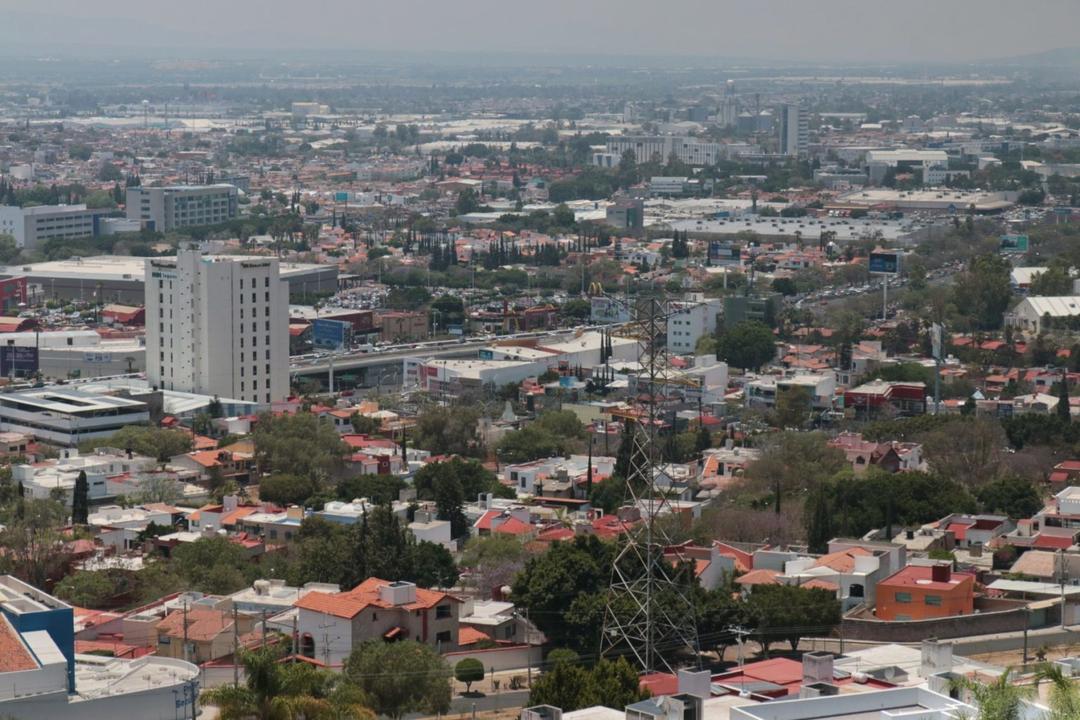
(330, 333)
(885, 262)
(18, 361)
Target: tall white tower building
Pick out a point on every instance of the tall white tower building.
(794, 130)
(217, 326)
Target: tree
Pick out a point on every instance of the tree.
(792, 408)
(1055, 281)
(1011, 495)
(493, 561)
(80, 500)
(1064, 697)
(302, 445)
(400, 678)
(789, 612)
(564, 574)
(468, 671)
(447, 430)
(86, 589)
(748, 345)
(967, 449)
(431, 565)
(379, 489)
(819, 523)
(616, 684)
(566, 686)
(158, 443)
(364, 425)
(283, 489)
(999, 699)
(280, 691)
(983, 291)
(213, 565)
(1064, 411)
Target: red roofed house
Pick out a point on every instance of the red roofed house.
(330, 625)
(209, 633)
(920, 592)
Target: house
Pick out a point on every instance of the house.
(902, 398)
(920, 592)
(208, 632)
(975, 530)
(330, 625)
(1036, 315)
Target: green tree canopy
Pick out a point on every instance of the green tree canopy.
(400, 678)
(747, 345)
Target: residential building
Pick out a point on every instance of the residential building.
(330, 625)
(67, 417)
(763, 391)
(31, 226)
(201, 634)
(167, 208)
(920, 592)
(218, 326)
(688, 322)
(794, 130)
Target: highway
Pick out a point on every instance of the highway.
(320, 363)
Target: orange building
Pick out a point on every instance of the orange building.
(920, 592)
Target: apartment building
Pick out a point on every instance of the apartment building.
(218, 326)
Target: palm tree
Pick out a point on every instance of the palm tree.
(1064, 692)
(276, 691)
(997, 700)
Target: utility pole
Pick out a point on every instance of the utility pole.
(235, 648)
(1061, 575)
(185, 632)
(264, 628)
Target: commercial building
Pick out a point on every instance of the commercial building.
(626, 214)
(67, 417)
(689, 322)
(659, 148)
(400, 325)
(218, 326)
(330, 625)
(30, 226)
(794, 131)
(42, 677)
(168, 208)
(1035, 315)
(759, 308)
(935, 200)
(121, 278)
(920, 592)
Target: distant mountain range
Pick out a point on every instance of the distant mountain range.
(1068, 57)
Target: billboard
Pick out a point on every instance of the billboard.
(608, 310)
(886, 263)
(1014, 244)
(330, 333)
(724, 252)
(18, 361)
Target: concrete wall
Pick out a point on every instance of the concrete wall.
(511, 657)
(994, 618)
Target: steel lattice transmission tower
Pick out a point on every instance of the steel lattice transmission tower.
(650, 614)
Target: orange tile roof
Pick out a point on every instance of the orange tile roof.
(13, 653)
(842, 561)
(759, 577)
(350, 603)
(202, 624)
(470, 635)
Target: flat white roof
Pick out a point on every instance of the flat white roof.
(73, 402)
(122, 267)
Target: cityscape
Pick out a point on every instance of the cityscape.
(587, 362)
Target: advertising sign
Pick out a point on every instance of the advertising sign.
(886, 263)
(1014, 244)
(329, 333)
(20, 361)
(723, 252)
(608, 310)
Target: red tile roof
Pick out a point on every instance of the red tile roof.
(351, 603)
(14, 656)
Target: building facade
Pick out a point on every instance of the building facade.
(688, 322)
(794, 131)
(167, 208)
(218, 326)
(31, 226)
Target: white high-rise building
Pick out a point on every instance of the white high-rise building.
(794, 130)
(218, 326)
(688, 322)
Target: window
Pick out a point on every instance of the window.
(443, 638)
(266, 281)
(934, 600)
(374, 616)
(442, 612)
(903, 597)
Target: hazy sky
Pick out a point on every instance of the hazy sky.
(861, 30)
